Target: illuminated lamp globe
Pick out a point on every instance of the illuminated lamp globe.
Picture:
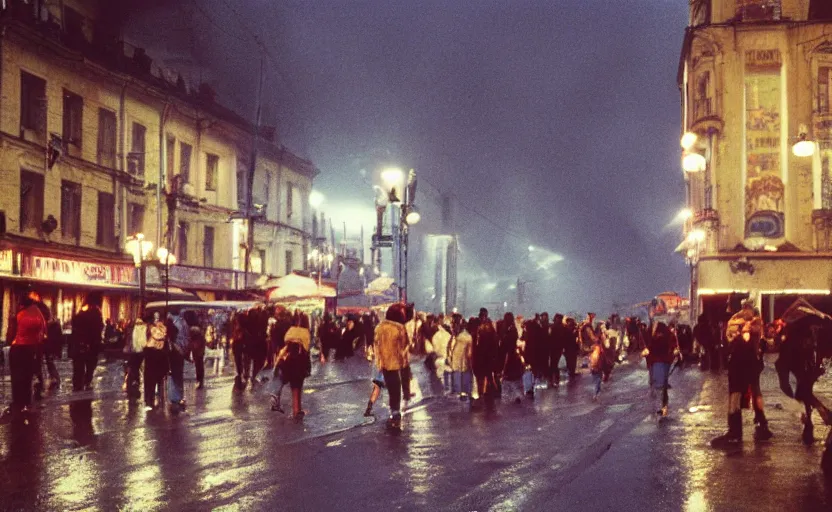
(316, 199)
(688, 140)
(693, 162)
(696, 236)
(685, 214)
(392, 177)
(804, 148)
(413, 216)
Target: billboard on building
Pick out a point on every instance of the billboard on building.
(764, 187)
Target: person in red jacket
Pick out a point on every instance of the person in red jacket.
(26, 332)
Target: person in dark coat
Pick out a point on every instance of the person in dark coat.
(87, 329)
(485, 356)
(196, 345)
(349, 339)
(328, 336)
(557, 344)
(571, 348)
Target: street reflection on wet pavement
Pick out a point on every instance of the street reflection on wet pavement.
(228, 451)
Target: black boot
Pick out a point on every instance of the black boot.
(732, 438)
(369, 411)
(761, 431)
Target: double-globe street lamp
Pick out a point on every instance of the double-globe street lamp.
(318, 258)
(400, 196)
(142, 251)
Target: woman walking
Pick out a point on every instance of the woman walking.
(391, 350)
(661, 352)
(27, 333)
(294, 365)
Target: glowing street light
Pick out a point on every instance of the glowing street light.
(694, 162)
(316, 199)
(413, 216)
(689, 140)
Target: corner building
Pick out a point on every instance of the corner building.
(756, 78)
(99, 143)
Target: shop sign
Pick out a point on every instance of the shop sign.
(6, 261)
(202, 277)
(81, 272)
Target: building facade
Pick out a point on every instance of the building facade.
(755, 78)
(99, 144)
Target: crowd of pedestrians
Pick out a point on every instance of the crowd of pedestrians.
(476, 359)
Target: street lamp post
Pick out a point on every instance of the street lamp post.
(694, 241)
(140, 249)
(401, 195)
(167, 259)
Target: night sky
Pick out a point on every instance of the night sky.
(552, 123)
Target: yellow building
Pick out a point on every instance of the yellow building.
(98, 144)
(756, 78)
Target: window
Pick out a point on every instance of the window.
(289, 202)
(73, 25)
(31, 200)
(824, 82)
(758, 10)
(185, 162)
(182, 242)
(32, 103)
(208, 247)
(106, 232)
(170, 155)
(820, 10)
(71, 210)
(135, 219)
(106, 138)
(72, 118)
(290, 265)
(702, 101)
(212, 164)
(135, 160)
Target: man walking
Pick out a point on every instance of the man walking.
(744, 367)
(87, 329)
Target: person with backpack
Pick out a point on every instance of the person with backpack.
(155, 361)
(87, 330)
(294, 364)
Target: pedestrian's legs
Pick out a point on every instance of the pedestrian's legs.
(153, 371)
(406, 376)
(21, 364)
(297, 406)
(40, 381)
(90, 362)
(597, 376)
(467, 383)
(555, 369)
(199, 364)
(54, 376)
(393, 381)
(571, 364)
(176, 389)
(239, 363)
(78, 370)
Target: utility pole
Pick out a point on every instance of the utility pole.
(250, 217)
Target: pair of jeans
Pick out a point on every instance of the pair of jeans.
(463, 382)
(23, 360)
(660, 373)
(155, 369)
(597, 376)
(176, 387)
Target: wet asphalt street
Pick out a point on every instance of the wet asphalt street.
(96, 451)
